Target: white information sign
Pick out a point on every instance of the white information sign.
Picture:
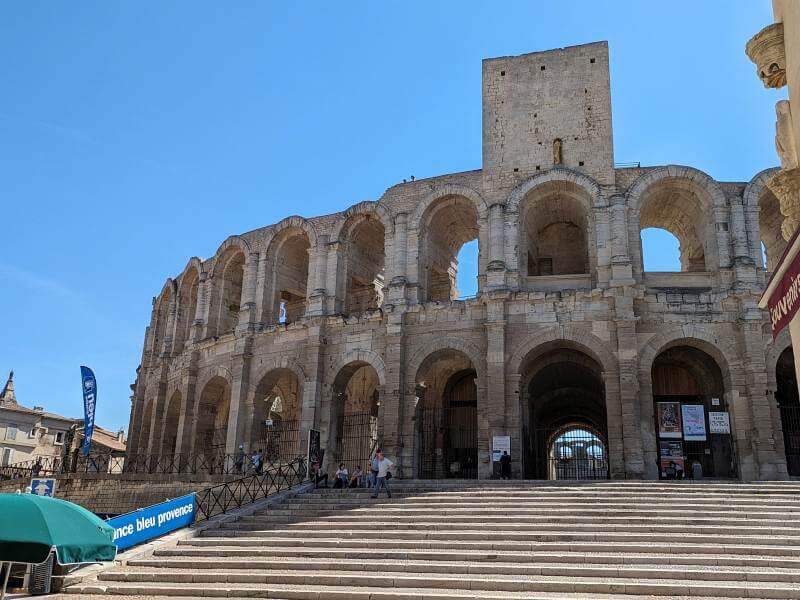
(719, 422)
(500, 444)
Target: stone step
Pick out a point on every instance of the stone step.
(482, 556)
(418, 567)
(770, 529)
(121, 591)
(598, 517)
(687, 490)
(506, 501)
(544, 535)
(683, 545)
(244, 581)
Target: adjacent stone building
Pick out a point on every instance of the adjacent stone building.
(350, 324)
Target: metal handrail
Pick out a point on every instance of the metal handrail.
(223, 497)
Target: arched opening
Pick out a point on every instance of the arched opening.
(688, 389)
(353, 438)
(448, 224)
(789, 406)
(770, 221)
(230, 278)
(577, 452)
(661, 250)
(554, 231)
(287, 263)
(447, 417)
(169, 436)
(212, 421)
(677, 206)
(364, 266)
(160, 332)
(275, 428)
(187, 307)
(564, 411)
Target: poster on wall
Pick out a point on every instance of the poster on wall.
(694, 422)
(671, 458)
(719, 422)
(669, 420)
(500, 444)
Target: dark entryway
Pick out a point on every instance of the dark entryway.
(789, 406)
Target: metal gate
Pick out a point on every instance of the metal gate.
(790, 422)
(567, 453)
(448, 443)
(357, 440)
(278, 440)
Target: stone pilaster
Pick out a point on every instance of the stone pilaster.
(187, 424)
(621, 269)
(394, 404)
(493, 410)
(248, 311)
(240, 386)
(318, 263)
(200, 327)
(312, 402)
(399, 277)
(630, 402)
(496, 267)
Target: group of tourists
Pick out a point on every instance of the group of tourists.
(255, 462)
(381, 469)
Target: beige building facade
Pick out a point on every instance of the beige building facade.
(350, 323)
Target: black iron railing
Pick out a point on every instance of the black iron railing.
(230, 495)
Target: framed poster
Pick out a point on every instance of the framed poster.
(694, 422)
(719, 422)
(670, 458)
(669, 419)
(500, 443)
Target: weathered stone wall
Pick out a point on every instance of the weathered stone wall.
(611, 311)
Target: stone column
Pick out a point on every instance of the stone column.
(511, 248)
(494, 409)
(240, 386)
(399, 276)
(247, 312)
(169, 331)
(723, 236)
(621, 270)
(312, 387)
(496, 267)
(392, 431)
(628, 360)
(335, 291)
(188, 420)
(317, 268)
(200, 328)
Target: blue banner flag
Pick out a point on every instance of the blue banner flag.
(151, 522)
(89, 402)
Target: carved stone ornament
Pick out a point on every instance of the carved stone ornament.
(786, 187)
(767, 51)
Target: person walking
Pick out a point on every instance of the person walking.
(238, 461)
(384, 471)
(505, 466)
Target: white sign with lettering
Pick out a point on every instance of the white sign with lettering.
(719, 422)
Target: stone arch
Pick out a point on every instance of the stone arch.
(579, 338)
(692, 197)
(188, 287)
(288, 272)
(363, 356)
(442, 223)
(555, 175)
(445, 191)
(361, 239)
(774, 351)
(211, 373)
(292, 222)
(764, 220)
(441, 344)
(276, 377)
(273, 363)
(233, 242)
(723, 355)
(367, 207)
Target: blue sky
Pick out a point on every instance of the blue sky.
(134, 135)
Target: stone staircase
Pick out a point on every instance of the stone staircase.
(491, 540)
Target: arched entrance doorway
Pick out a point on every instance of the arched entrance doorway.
(789, 406)
(275, 428)
(353, 438)
(687, 386)
(212, 422)
(565, 434)
(447, 417)
(169, 438)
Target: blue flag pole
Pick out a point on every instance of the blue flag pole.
(89, 386)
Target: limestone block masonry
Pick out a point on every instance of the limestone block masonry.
(351, 323)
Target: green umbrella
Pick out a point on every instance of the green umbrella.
(31, 526)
